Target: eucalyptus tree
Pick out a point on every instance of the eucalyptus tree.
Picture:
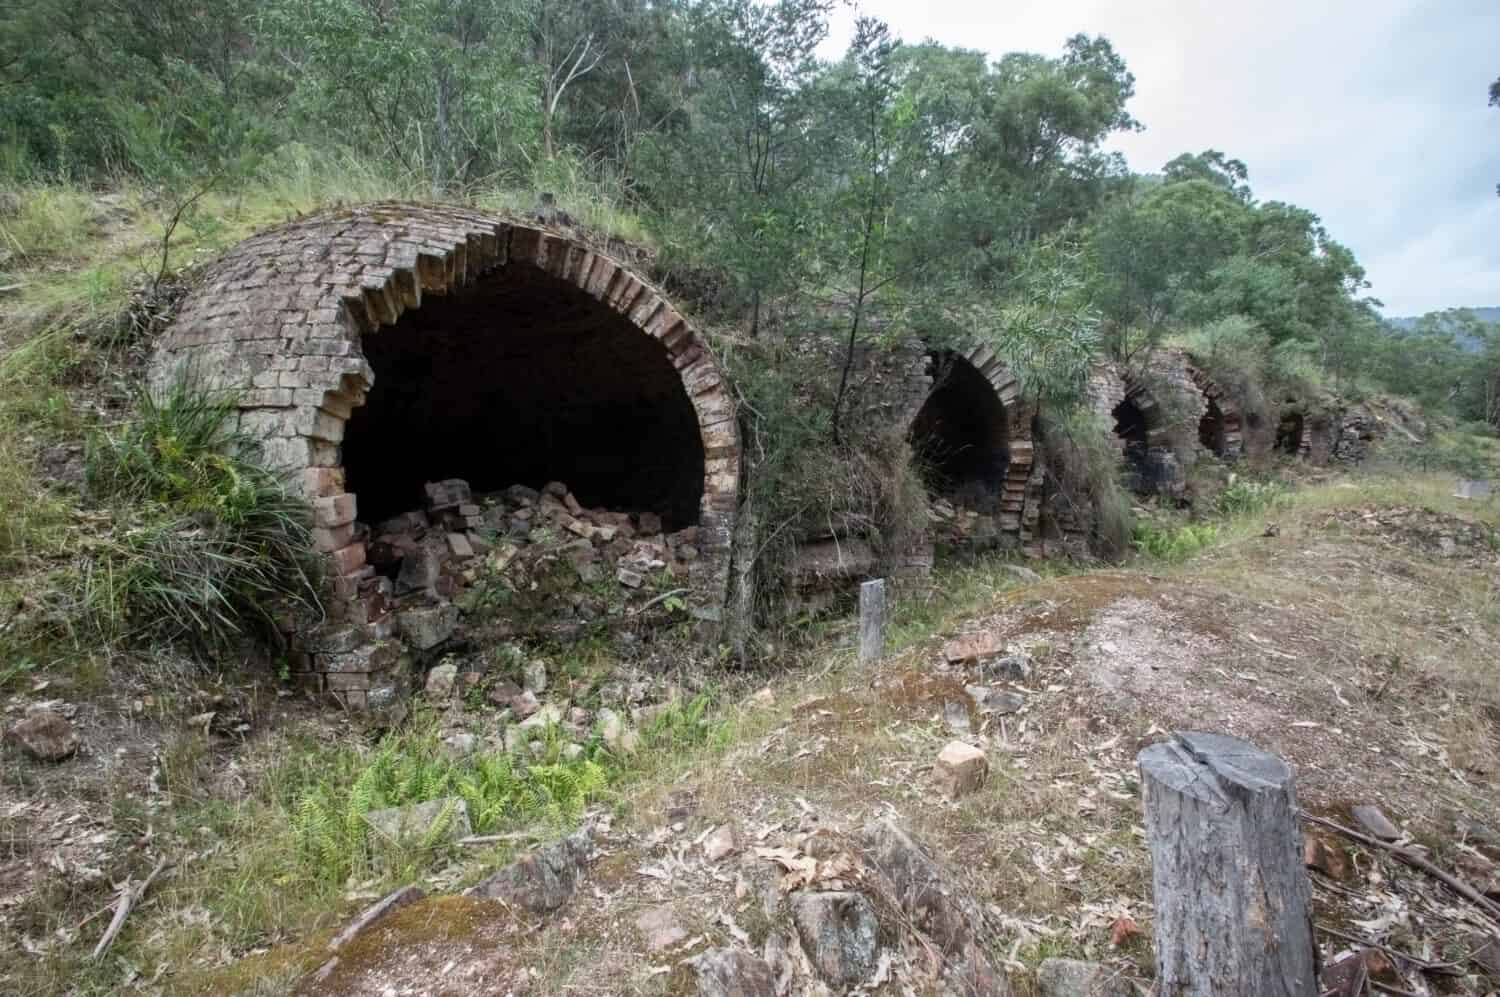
(730, 181)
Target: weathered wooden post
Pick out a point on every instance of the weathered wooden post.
(872, 620)
(1233, 903)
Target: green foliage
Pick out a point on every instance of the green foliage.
(326, 806)
(1244, 497)
(1173, 543)
(1083, 476)
(209, 543)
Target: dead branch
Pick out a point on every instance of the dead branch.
(129, 897)
(1416, 861)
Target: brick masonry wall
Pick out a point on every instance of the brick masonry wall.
(279, 319)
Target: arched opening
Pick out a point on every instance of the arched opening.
(1133, 431)
(1289, 433)
(1212, 428)
(961, 436)
(523, 379)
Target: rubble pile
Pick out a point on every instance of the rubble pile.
(961, 526)
(521, 559)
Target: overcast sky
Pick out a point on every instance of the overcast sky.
(1371, 113)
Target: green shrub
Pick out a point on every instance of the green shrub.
(1169, 543)
(1244, 497)
(326, 804)
(209, 545)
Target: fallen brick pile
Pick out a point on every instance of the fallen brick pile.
(957, 525)
(521, 559)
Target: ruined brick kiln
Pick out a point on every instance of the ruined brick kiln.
(481, 412)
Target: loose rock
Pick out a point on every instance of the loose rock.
(1376, 823)
(440, 682)
(730, 972)
(660, 928)
(969, 648)
(45, 735)
(961, 769)
(447, 819)
(544, 880)
(425, 627)
(721, 843)
(840, 934)
(534, 677)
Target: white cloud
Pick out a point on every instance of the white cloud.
(1369, 112)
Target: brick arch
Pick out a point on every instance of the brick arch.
(1218, 403)
(280, 319)
(1020, 500)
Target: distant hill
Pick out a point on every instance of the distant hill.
(1483, 314)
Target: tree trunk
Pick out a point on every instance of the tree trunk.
(1233, 904)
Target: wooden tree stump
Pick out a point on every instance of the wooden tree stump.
(872, 620)
(1233, 903)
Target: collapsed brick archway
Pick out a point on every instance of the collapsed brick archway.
(972, 433)
(1221, 429)
(961, 436)
(300, 320)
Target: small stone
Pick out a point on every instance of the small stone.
(445, 495)
(503, 693)
(629, 579)
(661, 929)
(1010, 668)
(544, 880)
(425, 627)
(446, 818)
(649, 524)
(1376, 823)
(525, 704)
(572, 751)
(45, 735)
(721, 843)
(969, 648)
(578, 527)
(461, 744)
(572, 504)
(534, 676)
(956, 716)
(460, 546)
(730, 972)
(1022, 574)
(420, 569)
(764, 697)
(555, 488)
(604, 534)
(1326, 856)
(614, 734)
(440, 682)
(839, 933)
(1074, 978)
(961, 769)
(549, 715)
(994, 701)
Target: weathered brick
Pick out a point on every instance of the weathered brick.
(349, 559)
(330, 511)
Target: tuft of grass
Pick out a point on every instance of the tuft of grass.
(1244, 497)
(53, 220)
(1174, 543)
(209, 545)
